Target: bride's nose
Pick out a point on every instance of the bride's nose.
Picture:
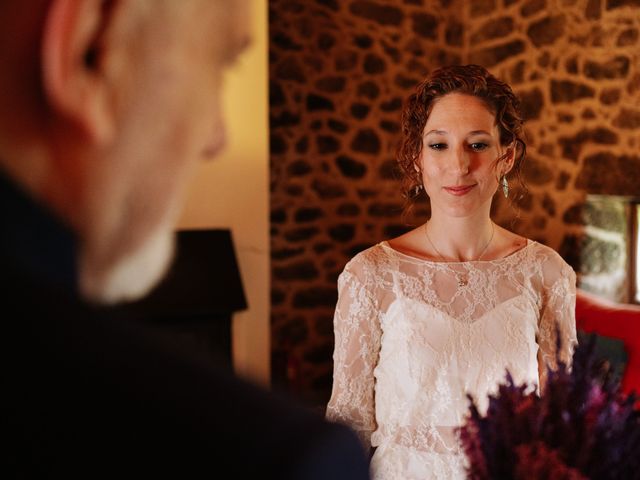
(460, 161)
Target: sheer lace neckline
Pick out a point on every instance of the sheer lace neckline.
(385, 244)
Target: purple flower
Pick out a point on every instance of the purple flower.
(581, 426)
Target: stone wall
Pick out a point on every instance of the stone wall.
(339, 73)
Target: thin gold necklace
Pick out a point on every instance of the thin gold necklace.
(462, 281)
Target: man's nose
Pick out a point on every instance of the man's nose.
(217, 142)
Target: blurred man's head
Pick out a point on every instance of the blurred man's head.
(105, 108)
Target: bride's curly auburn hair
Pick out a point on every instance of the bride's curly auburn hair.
(470, 80)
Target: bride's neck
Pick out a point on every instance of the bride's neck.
(460, 238)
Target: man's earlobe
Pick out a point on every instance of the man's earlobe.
(74, 85)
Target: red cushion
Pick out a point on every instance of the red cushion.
(597, 315)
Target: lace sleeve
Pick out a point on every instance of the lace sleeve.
(558, 312)
(357, 343)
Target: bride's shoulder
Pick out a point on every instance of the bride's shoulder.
(545, 252)
(552, 264)
(532, 250)
(507, 244)
(383, 257)
(368, 257)
(411, 245)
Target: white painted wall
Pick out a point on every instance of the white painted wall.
(232, 191)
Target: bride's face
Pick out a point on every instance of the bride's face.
(461, 146)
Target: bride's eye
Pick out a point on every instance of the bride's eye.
(478, 146)
(438, 146)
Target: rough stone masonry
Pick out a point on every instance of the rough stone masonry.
(339, 72)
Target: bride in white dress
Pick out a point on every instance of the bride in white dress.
(446, 309)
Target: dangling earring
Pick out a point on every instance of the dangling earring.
(417, 189)
(505, 186)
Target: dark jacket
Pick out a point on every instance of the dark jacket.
(89, 394)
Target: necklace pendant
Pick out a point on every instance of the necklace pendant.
(462, 282)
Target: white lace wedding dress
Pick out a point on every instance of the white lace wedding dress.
(413, 337)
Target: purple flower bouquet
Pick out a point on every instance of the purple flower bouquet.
(581, 427)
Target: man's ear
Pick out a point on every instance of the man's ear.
(76, 88)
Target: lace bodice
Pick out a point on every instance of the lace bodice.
(413, 337)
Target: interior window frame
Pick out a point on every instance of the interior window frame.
(634, 257)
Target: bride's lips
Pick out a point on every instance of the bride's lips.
(459, 190)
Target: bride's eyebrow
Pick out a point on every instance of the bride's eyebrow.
(444, 132)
